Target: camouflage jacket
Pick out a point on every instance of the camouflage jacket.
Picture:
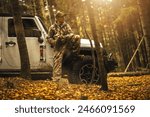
(60, 30)
(60, 34)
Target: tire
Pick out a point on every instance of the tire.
(82, 72)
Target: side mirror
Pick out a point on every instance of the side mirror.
(40, 40)
(37, 33)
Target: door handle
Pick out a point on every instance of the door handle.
(10, 43)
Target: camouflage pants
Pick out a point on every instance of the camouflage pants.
(58, 56)
(57, 67)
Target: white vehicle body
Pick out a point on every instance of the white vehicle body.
(9, 53)
(85, 43)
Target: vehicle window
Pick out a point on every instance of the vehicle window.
(29, 26)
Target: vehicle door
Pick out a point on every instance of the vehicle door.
(11, 51)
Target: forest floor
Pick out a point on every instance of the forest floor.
(120, 88)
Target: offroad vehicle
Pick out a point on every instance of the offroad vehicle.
(78, 67)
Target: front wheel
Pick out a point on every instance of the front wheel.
(82, 71)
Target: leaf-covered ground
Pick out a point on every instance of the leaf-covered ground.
(120, 88)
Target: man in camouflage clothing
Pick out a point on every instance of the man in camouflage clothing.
(60, 36)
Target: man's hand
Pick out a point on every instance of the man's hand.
(62, 39)
(52, 42)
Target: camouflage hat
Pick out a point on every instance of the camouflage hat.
(59, 14)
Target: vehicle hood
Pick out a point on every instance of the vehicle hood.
(85, 43)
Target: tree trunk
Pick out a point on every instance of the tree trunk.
(40, 10)
(129, 74)
(51, 13)
(24, 58)
(121, 41)
(33, 7)
(137, 61)
(145, 17)
(102, 70)
(2, 6)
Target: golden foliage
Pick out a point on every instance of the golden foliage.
(120, 88)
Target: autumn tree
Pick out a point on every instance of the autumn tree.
(145, 17)
(99, 51)
(24, 57)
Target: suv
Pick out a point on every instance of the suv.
(78, 67)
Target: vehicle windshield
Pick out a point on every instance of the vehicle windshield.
(43, 25)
